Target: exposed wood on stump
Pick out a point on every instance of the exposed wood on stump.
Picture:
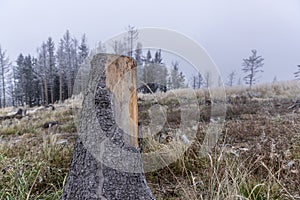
(102, 163)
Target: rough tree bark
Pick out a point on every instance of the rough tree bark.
(107, 163)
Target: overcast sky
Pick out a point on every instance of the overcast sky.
(227, 29)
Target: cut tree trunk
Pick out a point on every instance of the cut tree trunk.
(107, 162)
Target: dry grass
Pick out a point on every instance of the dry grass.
(34, 161)
(257, 155)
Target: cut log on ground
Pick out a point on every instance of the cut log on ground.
(50, 124)
(18, 115)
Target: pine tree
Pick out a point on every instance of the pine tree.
(148, 71)
(197, 81)
(177, 78)
(154, 70)
(181, 80)
(148, 57)
(138, 55)
(160, 69)
(83, 49)
(252, 66)
(200, 80)
(157, 57)
(28, 79)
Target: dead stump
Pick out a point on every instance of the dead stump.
(107, 162)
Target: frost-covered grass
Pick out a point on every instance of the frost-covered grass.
(257, 155)
(33, 169)
(34, 161)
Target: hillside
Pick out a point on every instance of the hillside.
(257, 155)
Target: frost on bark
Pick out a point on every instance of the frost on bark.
(107, 162)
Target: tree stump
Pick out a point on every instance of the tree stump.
(107, 163)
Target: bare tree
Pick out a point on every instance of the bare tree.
(119, 47)
(194, 79)
(126, 45)
(75, 59)
(4, 68)
(132, 36)
(207, 79)
(101, 48)
(252, 66)
(43, 61)
(13, 86)
(231, 78)
(51, 66)
(60, 55)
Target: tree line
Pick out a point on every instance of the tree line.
(252, 67)
(46, 78)
(49, 77)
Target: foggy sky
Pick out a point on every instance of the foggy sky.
(227, 29)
